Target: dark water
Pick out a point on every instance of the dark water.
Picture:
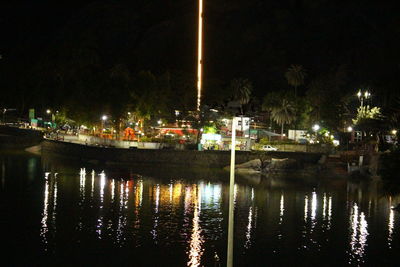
(55, 213)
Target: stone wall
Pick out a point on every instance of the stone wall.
(304, 148)
(208, 158)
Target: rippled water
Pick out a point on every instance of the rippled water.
(55, 212)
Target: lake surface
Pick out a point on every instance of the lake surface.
(59, 212)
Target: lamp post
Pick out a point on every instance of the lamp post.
(363, 96)
(103, 119)
(48, 112)
(349, 130)
(315, 129)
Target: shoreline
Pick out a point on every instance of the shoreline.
(207, 158)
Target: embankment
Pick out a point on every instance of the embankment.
(176, 157)
(17, 138)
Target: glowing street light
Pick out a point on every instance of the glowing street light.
(394, 132)
(103, 119)
(315, 127)
(48, 111)
(362, 96)
(349, 129)
(199, 54)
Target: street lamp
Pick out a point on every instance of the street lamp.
(103, 119)
(349, 129)
(363, 95)
(315, 128)
(50, 117)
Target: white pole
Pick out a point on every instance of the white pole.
(229, 262)
(199, 54)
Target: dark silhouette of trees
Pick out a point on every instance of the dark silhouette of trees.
(295, 76)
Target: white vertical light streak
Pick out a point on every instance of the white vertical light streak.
(358, 242)
(157, 203)
(390, 228)
(99, 226)
(248, 229)
(281, 208)
(112, 190)
(232, 199)
(196, 241)
(54, 204)
(92, 189)
(44, 229)
(157, 197)
(329, 212)
(121, 216)
(82, 182)
(249, 225)
(199, 54)
(390, 224)
(305, 208)
(102, 185)
(313, 206)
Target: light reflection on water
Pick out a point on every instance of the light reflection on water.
(359, 235)
(48, 221)
(390, 224)
(167, 198)
(186, 218)
(196, 239)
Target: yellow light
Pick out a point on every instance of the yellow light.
(199, 54)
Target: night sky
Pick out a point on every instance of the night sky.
(43, 41)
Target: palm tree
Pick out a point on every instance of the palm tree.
(241, 91)
(270, 101)
(295, 76)
(283, 113)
